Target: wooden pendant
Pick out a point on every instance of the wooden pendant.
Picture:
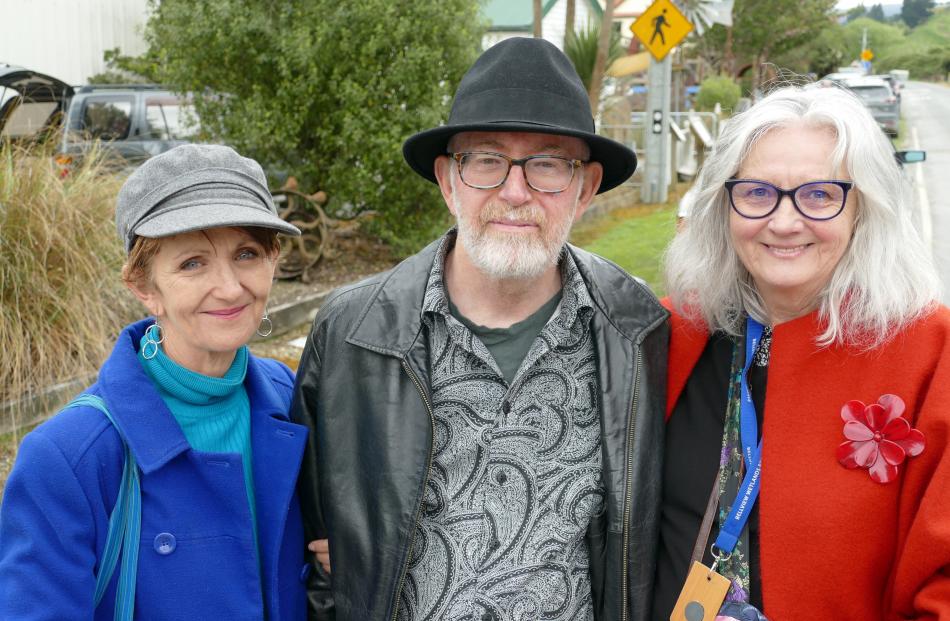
(702, 595)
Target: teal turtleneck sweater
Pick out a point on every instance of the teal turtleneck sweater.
(213, 412)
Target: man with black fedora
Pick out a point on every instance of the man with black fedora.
(486, 417)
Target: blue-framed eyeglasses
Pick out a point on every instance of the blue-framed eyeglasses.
(816, 200)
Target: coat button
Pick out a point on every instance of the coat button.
(164, 543)
(305, 572)
(506, 408)
(487, 616)
(493, 545)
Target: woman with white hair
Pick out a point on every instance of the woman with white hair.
(809, 357)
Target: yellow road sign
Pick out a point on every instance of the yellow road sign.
(867, 55)
(661, 27)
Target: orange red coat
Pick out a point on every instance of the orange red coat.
(833, 543)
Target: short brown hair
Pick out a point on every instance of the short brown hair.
(138, 265)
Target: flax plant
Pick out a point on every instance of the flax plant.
(61, 299)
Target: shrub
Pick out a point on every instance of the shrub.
(718, 89)
(927, 64)
(61, 299)
(581, 47)
(324, 90)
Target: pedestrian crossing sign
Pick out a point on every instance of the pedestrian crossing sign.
(661, 27)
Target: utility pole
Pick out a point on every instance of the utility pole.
(660, 28)
(656, 174)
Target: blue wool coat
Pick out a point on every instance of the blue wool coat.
(197, 556)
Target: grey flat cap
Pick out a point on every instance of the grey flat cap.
(194, 187)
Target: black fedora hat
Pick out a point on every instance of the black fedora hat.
(522, 85)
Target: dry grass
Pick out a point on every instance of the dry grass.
(61, 299)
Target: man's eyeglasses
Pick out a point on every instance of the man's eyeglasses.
(484, 170)
(816, 200)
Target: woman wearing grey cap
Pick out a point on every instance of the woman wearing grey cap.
(166, 490)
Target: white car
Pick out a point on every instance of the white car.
(880, 100)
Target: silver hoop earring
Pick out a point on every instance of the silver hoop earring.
(266, 327)
(154, 336)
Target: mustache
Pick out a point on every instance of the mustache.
(501, 212)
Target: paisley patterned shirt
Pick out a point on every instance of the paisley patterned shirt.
(516, 470)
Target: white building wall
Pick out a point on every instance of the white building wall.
(554, 23)
(552, 26)
(67, 38)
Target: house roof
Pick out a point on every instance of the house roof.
(516, 15)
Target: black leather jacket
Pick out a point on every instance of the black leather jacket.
(363, 391)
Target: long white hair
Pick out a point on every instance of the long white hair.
(886, 277)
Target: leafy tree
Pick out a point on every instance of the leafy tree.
(142, 69)
(324, 90)
(883, 38)
(822, 56)
(926, 64)
(934, 32)
(720, 90)
(856, 12)
(923, 50)
(877, 13)
(913, 12)
(764, 30)
(114, 77)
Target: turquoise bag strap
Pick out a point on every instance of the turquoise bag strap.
(125, 526)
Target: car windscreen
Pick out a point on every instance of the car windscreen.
(170, 118)
(872, 93)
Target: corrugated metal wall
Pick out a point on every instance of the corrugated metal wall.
(66, 38)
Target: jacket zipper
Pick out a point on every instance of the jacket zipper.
(425, 482)
(631, 427)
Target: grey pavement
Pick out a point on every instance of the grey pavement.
(926, 110)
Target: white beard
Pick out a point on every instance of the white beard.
(503, 256)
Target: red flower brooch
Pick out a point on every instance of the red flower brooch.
(878, 438)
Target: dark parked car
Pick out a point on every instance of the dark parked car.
(878, 97)
(891, 81)
(132, 122)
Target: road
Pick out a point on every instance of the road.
(926, 110)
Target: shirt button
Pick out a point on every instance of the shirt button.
(164, 543)
(506, 408)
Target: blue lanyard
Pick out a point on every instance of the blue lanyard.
(751, 450)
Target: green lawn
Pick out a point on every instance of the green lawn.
(634, 238)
